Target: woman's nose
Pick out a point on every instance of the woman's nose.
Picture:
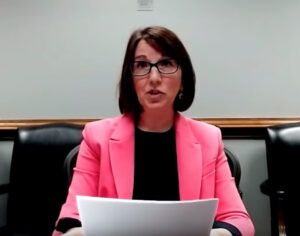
(154, 75)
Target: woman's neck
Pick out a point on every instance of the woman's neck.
(156, 121)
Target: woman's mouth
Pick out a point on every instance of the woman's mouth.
(154, 94)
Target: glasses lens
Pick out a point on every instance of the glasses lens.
(167, 66)
(140, 68)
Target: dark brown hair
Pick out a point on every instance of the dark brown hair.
(166, 42)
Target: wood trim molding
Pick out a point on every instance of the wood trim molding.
(14, 124)
(220, 122)
(248, 122)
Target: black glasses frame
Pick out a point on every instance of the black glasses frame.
(153, 65)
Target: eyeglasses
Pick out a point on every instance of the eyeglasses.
(165, 66)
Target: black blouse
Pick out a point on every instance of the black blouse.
(155, 170)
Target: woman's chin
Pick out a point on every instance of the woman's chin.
(157, 106)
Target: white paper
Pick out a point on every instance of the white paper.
(108, 216)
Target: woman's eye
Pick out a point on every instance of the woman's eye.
(165, 63)
(141, 64)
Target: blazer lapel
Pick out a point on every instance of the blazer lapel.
(121, 148)
(189, 160)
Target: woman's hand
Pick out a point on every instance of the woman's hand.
(78, 231)
(220, 232)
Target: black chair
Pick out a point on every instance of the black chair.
(37, 188)
(283, 159)
(70, 163)
(233, 162)
(235, 168)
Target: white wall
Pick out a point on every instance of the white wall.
(62, 58)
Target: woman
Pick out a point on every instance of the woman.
(152, 152)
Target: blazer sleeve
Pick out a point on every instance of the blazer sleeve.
(231, 208)
(86, 175)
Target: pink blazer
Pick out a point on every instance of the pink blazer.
(105, 167)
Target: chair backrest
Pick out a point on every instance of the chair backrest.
(283, 155)
(283, 159)
(235, 168)
(70, 163)
(37, 188)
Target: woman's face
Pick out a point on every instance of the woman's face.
(155, 91)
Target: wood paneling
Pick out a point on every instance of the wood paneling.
(248, 122)
(14, 124)
(220, 122)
